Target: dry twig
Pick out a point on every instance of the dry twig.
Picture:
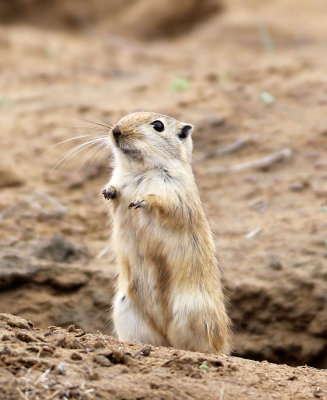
(260, 163)
(233, 147)
(227, 149)
(41, 202)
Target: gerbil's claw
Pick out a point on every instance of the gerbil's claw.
(137, 203)
(109, 193)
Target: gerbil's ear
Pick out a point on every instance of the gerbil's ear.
(185, 131)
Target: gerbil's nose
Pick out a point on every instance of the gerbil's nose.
(116, 132)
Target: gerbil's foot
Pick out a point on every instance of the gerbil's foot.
(109, 192)
(138, 203)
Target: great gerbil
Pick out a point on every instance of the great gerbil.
(169, 286)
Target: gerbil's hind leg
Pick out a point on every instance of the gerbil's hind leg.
(200, 330)
(130, 326)
(186, 336)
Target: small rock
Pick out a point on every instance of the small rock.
(33, 349)
(212, 77)
(25, 337)
(16, 322)
(99, 344)
(76, 356)
(83, 108)
(267, 98)
(9, 177)
(68, 342)
(61, 368)
(116, 357)
(154, 386)
(196, 375)
(48, 350)
(187, 360)
(146, 351)
(102, 360)
(93, 375)
(72, 328)
(275, 263)
(50, 333)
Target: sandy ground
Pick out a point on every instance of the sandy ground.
(250, 76)
(55, 363)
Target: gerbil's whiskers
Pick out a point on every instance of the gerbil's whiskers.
(105, 125)
(94, 152)
(79, 148)
(73, 138)
(105, 122)
(97, 141)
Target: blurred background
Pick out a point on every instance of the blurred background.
(250, 75)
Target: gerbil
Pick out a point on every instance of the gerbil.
(169, 285)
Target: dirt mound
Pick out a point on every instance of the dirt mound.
(42, 282)
(286, 320)
(140, 18)
(148, 19)
(72, 364)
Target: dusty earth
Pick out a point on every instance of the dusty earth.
(55, 363)
(251, 76)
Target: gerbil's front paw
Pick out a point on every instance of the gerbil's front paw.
(109, 192)
(138, 203)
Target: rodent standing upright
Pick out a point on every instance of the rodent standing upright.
(169, 285)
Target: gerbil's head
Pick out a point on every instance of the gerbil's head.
(151, 139)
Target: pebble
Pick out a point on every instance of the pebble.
(275, 263)
(10, 178)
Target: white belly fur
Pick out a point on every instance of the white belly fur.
(129, 324)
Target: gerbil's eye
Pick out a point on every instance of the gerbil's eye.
(185, 131)
(158, 126)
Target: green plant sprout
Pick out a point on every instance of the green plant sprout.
(204, 367)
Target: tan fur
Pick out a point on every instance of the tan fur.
(169, 287)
